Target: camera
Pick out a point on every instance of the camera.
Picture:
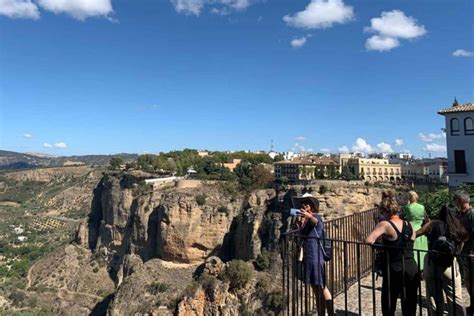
(294, 212)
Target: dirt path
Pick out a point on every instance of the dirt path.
(28, 276)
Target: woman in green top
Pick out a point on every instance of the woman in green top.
(415, 214)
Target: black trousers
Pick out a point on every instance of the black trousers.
(403, 284)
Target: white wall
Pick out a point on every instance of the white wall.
(461, 142)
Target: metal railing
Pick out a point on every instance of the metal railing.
(352, 274)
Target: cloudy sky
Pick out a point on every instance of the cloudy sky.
(106, 76)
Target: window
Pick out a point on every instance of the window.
(460, 161)
(468, 126)
(454, 127)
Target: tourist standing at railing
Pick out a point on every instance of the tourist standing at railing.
(313, 257)
(466, 216)
(415, 213)
(400, 275)
(446, 237)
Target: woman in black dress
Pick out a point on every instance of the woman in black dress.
(400, 272)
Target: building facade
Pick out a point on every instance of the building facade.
(459, 120)
(306, 168)
(374, 169)
(426, 171)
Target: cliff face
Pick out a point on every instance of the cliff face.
(151, 236)
(165, 223)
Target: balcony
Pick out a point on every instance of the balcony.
(351, 275)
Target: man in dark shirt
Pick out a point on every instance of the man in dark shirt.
(466, 216)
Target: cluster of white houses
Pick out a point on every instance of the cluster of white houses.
(365, 168)
(317, 167)
(458, 168)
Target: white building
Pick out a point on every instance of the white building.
(460, 142)
(18, 230)
(426, 170)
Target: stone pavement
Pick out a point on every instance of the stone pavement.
(367, 299)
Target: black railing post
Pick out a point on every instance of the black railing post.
(283, 267)
(454, 288)
(359, 293)
(470, 280)
(419, 288)
(345, 277)
(373, 283)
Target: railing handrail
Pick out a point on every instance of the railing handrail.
(377, 246)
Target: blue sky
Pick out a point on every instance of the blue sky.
(156, 75)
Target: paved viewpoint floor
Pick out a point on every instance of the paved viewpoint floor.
(366, 303)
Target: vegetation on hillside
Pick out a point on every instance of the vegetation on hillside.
(251, 173)
(433, 201)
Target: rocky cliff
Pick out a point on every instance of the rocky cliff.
(153, 243)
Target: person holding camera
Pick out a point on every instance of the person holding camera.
(314, 256)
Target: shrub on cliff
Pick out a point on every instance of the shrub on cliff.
(223, 209)
(275, 302)
(323, 189)
(263, 260)
(238, 273)
(208, 283)
(201, 199)
(157, 287)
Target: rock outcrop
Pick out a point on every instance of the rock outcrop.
(154, 240)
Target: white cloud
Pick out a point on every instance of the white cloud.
(325, 150)
(298, 42)
(320, 14)
(343, 150)
(188, 7)
(78, 9)
(236, 4)
(361, 146)
(300, 139)
(27, 135)
(429, 137)
(19, 9)
(221, 7)
(385, 148)
(390, 27)
(398, 142)
(462, 53)
(396, 24)
(60, 145)
(433, 147)
(381, 43)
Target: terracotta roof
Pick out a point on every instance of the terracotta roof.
(468, 107)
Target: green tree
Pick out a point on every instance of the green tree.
(261, 177)
(278, 158)
(145, 162)
(238, 273)
(347, 174)
(115, 163)
(319, 173)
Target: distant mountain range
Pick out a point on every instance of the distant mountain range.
(10, 160)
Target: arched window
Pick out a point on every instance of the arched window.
(454, 127)
(468, 126)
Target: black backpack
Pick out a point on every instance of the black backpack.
(443, 249)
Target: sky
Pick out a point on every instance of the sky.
(146, 76)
